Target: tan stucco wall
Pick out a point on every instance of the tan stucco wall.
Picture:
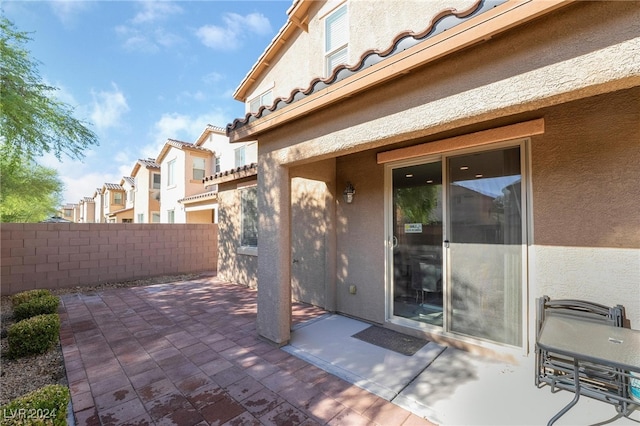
(233, 266)
(298, 64)
(200, 216)
(585, 50)
(66, 255)
(360, 234)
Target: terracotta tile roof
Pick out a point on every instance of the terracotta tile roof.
(180, 145)
(443, 21)
(113, 186)
(87, 200)
(149, 163)
(209, 195)
(233, 174)
(129, 179)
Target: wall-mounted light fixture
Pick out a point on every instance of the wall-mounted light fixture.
(348, 193)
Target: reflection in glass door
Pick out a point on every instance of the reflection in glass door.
(485, 255)
(417, 241)
(460, 267)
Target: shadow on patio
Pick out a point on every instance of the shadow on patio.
(188, 353)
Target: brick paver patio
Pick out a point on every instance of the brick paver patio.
(188, 353)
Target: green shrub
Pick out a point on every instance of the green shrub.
(44, 406)
(25, 296)
(33, 336)
(47, 304)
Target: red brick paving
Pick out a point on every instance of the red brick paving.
(188, 353)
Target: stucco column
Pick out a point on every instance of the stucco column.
(274, 266)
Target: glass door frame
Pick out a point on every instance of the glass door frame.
(443, 157)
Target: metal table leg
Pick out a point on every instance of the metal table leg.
(574, 401)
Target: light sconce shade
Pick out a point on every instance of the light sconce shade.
(348, 193)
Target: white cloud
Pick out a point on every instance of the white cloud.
(153, 11)
(181, 127)
(68, 10)
(147, 40)
(108, 108)
(236, 28)
(212, 78)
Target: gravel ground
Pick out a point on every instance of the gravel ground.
(23, 375)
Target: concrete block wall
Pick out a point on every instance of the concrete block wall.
(63, 255)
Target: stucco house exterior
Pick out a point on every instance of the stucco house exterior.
(183, 165)
(440, 171)
(98, 201)
(147, 180)
(87, 208)
(113, 200)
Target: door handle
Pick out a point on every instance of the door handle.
(394, 242)
(446, 243)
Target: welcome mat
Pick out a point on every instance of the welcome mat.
(392, 340)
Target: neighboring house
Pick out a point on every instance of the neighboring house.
(146, 196)
(471, 158)
(113, 201)
(68, 212)
(183, 165)
(98, 201)
(124, 214)
(202, 207)
(87, 208)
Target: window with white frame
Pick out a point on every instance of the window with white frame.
(140, 218)
(239, 156)
(265, 99)
(171, 216)
(155, 217)
(118, 198)
(198, 164)
(171, 173)
(336, 30)
(155, 183)
(217, 167)
(249, 216)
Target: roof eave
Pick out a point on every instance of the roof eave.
(474, 31)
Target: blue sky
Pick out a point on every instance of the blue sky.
(143, 71)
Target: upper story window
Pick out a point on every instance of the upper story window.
(118, 198)
(155, 183)
(265, 99)
(171, 173)
(217, 167)
(171, 216)
(198, 164)
(132, 196)
(336, 30)
(246, 154)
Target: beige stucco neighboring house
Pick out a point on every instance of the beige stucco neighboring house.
(114, 198)
(69, 212)
(183, 165)
(147, 180)
(87, 208)
(124, 214)
(98, 201)
(440, 171)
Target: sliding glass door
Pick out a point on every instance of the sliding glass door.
(458, 247)
(417, 243)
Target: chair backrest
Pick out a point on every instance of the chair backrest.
(427, 275)
(589, 311)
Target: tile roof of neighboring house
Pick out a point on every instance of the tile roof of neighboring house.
(180, 145)
(443, 21)
(209, 129)
(87, 200)
(233, 174)
(149, 163)
(113, 186)
(120, 211)
(129, 179)
(209, 195)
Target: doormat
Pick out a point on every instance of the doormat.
(392, 340)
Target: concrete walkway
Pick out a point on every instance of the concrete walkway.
(188, 353)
